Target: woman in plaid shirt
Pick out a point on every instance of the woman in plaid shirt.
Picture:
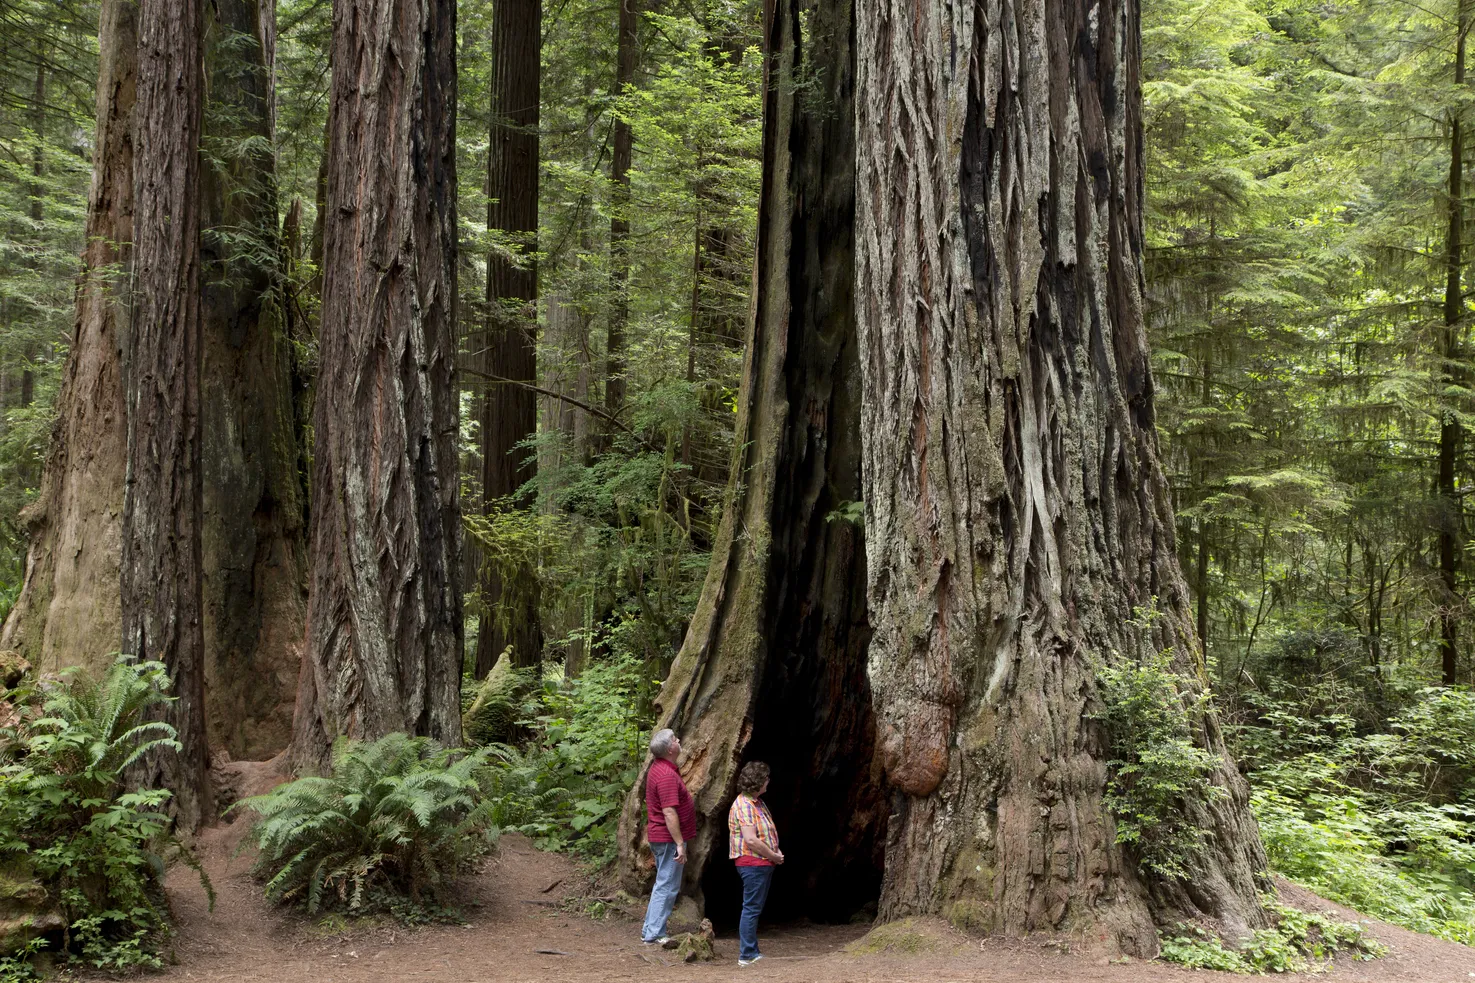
(752, 844)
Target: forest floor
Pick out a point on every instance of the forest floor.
(514, 907)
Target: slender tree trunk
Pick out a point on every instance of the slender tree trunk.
(68, 612)
(255, 602)
(510, 412)
(1451, 519)
(619, 224)
(1016, 509)
(773, 666)
(162, 562)
(384, 617)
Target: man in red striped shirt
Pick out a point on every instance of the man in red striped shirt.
(671, 820)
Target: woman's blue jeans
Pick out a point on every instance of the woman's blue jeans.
(755, 892)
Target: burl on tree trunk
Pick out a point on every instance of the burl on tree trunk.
(1016, 509)
(384, 620)
(68, 611)
(773, 666)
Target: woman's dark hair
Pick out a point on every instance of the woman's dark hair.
(752, 777)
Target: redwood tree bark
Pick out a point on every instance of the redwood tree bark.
(68, 612)
(384, 617)
(1016, 509)
(255, 604)
(773, 666)
(509, 412)
(162, 564)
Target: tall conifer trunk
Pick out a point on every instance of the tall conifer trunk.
(162, 563)
(1016, 509)
(384, 618)
(1451, 511)
(68, 612)
(510, 411)
(255, 605)
(619, 225)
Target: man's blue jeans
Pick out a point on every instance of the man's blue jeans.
(663, 895)
(755, 893)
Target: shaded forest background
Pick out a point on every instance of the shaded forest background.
(1308, 281)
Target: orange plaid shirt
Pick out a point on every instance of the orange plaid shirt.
(747, 811)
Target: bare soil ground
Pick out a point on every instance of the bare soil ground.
(514, 913)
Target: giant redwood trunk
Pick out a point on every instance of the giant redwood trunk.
(162, 565)
(773, 666)
(509, 411)
(384, 618)
(255, 606)
(1016, 509)
(68, 611)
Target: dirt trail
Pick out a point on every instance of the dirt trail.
(244, 939)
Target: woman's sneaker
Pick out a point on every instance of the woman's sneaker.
(749, 962)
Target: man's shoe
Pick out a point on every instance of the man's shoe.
(749, 962)
(659, 941)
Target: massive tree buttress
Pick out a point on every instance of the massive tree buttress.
(384, 617)
(162, 566)
(1016, 509)
(68, 611)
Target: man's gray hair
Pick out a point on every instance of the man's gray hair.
(660, 742)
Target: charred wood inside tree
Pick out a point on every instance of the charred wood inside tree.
(773, 666)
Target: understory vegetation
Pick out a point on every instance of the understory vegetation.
(1296, 942)
(82, 856)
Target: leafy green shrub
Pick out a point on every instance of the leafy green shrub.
(396, 820)
(68, 823)
(1384, 823)
(1157, 769)
(565, 791)
(1297, 942)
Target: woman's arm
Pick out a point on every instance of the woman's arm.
(751, 841)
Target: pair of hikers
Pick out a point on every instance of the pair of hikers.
(752, 841)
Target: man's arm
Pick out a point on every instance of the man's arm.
(751, 841)
(673, 826)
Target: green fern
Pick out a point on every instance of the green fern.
(397, 818)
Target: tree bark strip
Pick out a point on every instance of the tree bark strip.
(255, 555)
(384, 619)
(162, 562)
(1016, 509)
(773, 665)
(68, 612)
(509, 414)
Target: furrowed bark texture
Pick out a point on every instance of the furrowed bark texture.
(68, 611)
(509, 413)
(1016, 509)
(773, 666)
(384, 619)
(255, 604)
(162, 563)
